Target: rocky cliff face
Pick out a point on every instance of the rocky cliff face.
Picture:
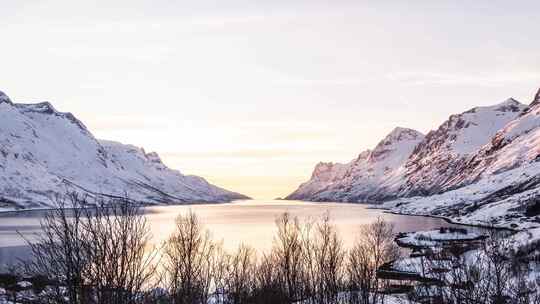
(44, 152)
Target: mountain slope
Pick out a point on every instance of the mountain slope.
(407, 164)
(513, 146)
(437, 159)
(499, 185)
(44, 152)
(324, 175)
(371, 176)
(480, 167)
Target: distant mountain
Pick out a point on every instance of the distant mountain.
(374, 175)
(44, 152)
(467, 150)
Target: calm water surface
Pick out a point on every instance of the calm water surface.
(248, 222)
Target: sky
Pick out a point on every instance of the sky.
(252, 94)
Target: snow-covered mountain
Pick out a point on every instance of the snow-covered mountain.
(479, 167)
(44, 152)
(432, 166)
(375, 174)
(513, 146)
(498, 186)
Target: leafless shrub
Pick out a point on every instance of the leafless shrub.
(122, 261)
(288, 256)
(329, 255)
(240, 279)
(220, 263)
(96, 251)
(269, 282)
(188, 261)
(374, 247)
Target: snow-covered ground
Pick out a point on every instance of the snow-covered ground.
(433, 238)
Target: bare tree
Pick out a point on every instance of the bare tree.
(374, 247)
(188, 261)
(123, 262)
(98, 250)
(287, 251)
(57, 251)
(220, 263)
(329, 258)
(241, 276)
(269, 283)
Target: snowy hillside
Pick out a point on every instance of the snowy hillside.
(371, 176)
(479, 167)
(44, 152)
(437, 159)
(513, 146)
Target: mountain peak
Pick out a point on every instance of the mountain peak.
(326, 170)
(399, 131)
(46, 108)
(509, 101)
(4, 98)
(323, 166)
(510, 105)
(399, 134)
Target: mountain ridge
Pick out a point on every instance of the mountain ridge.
(378, 169)
(44, 153)
(434, 162)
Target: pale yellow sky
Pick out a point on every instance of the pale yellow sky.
(251, 94)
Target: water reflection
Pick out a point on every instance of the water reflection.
(248, 222)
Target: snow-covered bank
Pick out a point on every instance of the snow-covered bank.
(481, 204)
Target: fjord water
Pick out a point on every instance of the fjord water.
(248, 222)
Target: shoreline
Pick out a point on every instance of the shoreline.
(8, 212)
(446, 219)
(449, 220)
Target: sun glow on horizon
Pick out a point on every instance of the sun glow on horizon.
(252, 94)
